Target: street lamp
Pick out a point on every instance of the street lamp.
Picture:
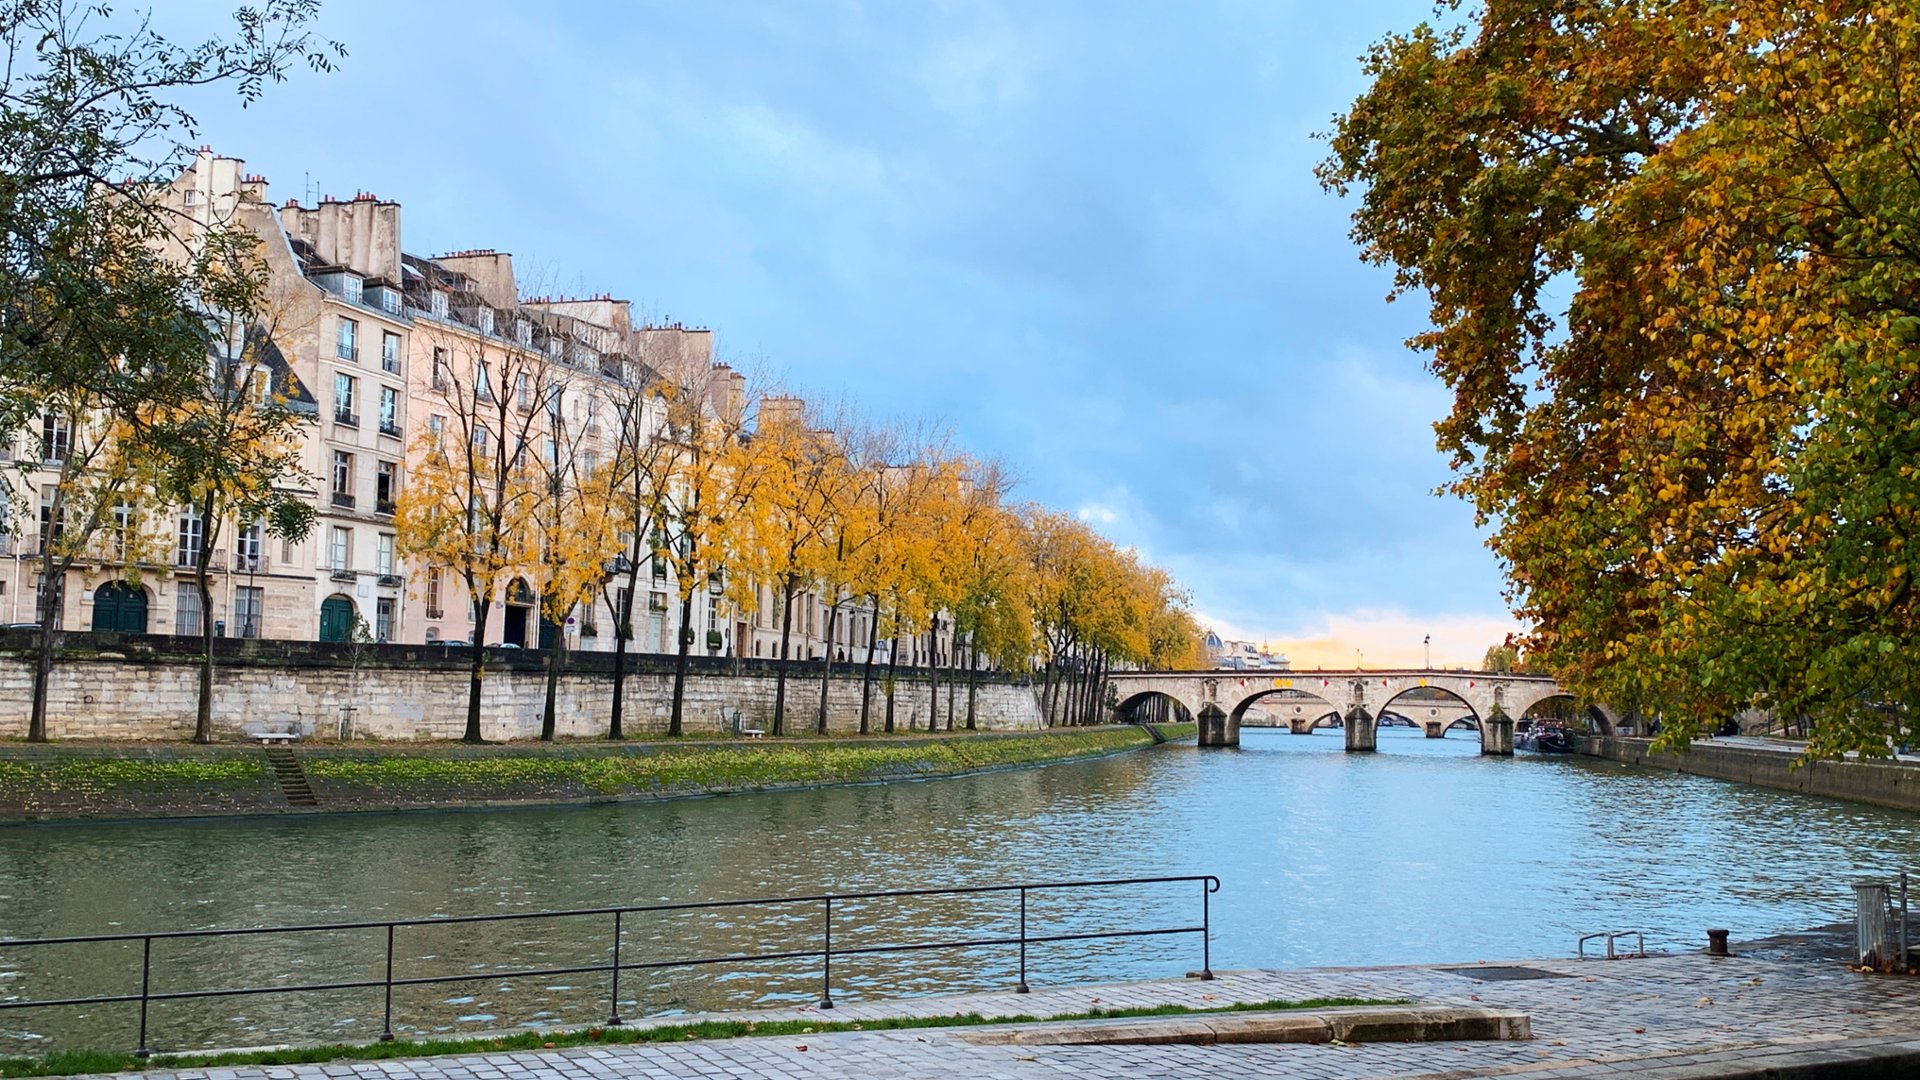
(1428, 643)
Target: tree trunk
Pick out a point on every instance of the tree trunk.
(893, 664)
(203, 710)
(973, 687)
(51, 599)
(933, 677)
(477, 672)
(826, 668)
(547, 719)
(1049, 689)
(953, 679)
(780, 669)
(622, 633)
(866, 669)
(675, 724)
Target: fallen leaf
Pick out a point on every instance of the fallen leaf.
(1639, 1031)
(802, 1048)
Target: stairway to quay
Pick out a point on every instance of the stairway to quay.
(1763, 1012)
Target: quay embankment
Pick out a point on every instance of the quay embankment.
(120, 780)
(1779, 766)
(1674, 1017)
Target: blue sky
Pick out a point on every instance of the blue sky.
(1084, 236)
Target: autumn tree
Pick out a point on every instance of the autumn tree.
(1672, 255)
(572, 520)
(229, 450)
(472, 495)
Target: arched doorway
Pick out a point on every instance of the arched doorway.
(120, 608)
(336, 619)
(519, 610)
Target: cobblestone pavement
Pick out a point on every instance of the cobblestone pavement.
(1592, 1018)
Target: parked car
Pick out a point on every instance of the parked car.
(451, 643)
(503, 645)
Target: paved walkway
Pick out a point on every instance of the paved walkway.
(1590, 1019)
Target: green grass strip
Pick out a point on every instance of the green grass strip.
(78, 1062)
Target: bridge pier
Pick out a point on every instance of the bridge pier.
(1300, 726)
(1217, 728)
(1362, 736)
(1496, 734)
(1436, 730)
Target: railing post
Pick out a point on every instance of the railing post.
(386, 1023)
(1206, 932)
(1021, 987)
(826, 970)
(146, 982)
(613, 1013)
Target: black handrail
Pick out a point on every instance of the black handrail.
(1208, 884)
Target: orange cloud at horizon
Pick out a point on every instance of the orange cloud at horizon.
(1383, 639)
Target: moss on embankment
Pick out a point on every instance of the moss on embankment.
(103, 781)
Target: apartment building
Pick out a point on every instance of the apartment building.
(378, 345)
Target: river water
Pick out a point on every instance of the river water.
(1423, 852)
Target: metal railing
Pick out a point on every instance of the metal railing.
(147, 995)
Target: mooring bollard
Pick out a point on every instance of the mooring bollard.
(1717, 943)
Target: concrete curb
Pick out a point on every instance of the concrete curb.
(1853, 1059)
(1357, 1025)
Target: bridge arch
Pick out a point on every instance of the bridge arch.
(1139, 707)
(1598, 717)
(1435, 710)
(1299, 711)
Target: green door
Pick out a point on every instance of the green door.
(120, 608)
(336, 619)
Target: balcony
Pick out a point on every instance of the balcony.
(392, 430)
(343, 417)
(348, 352)
(383, 506)
(343, 500)
(251, 564)
(348, 576)
(389, 581)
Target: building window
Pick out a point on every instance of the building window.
(436, 429)
(439, 305)
(434, 611)
(343, 400)
(192, 532)
(350, 287)
(56, 438)
(348, 345)
(389, 411)
(441, 378)
(521, 394)
(383, 483)
(53, 523)
(247, 548)
(247, 601)
(342, 478)
(485, 320)
(186, 609)
(340, 549)
(390, 352)
(523, 332)
(483, 381)
(383, 619)
(384, 554)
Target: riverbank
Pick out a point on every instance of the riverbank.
(1684, 1015)
(1753, 761)
(112, 781)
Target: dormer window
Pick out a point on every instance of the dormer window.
(486, 320)
(439, 305)
(350, 287)
(523, 332)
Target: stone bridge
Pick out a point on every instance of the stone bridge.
(1358, 697)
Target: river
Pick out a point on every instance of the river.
(1423, 852)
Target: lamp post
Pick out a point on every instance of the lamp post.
(1427, 643)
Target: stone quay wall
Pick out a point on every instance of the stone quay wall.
(1880, 783)
(107, 686)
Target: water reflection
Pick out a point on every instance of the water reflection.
(1423, 852)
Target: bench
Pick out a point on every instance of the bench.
(753, 733)
(269, 737)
